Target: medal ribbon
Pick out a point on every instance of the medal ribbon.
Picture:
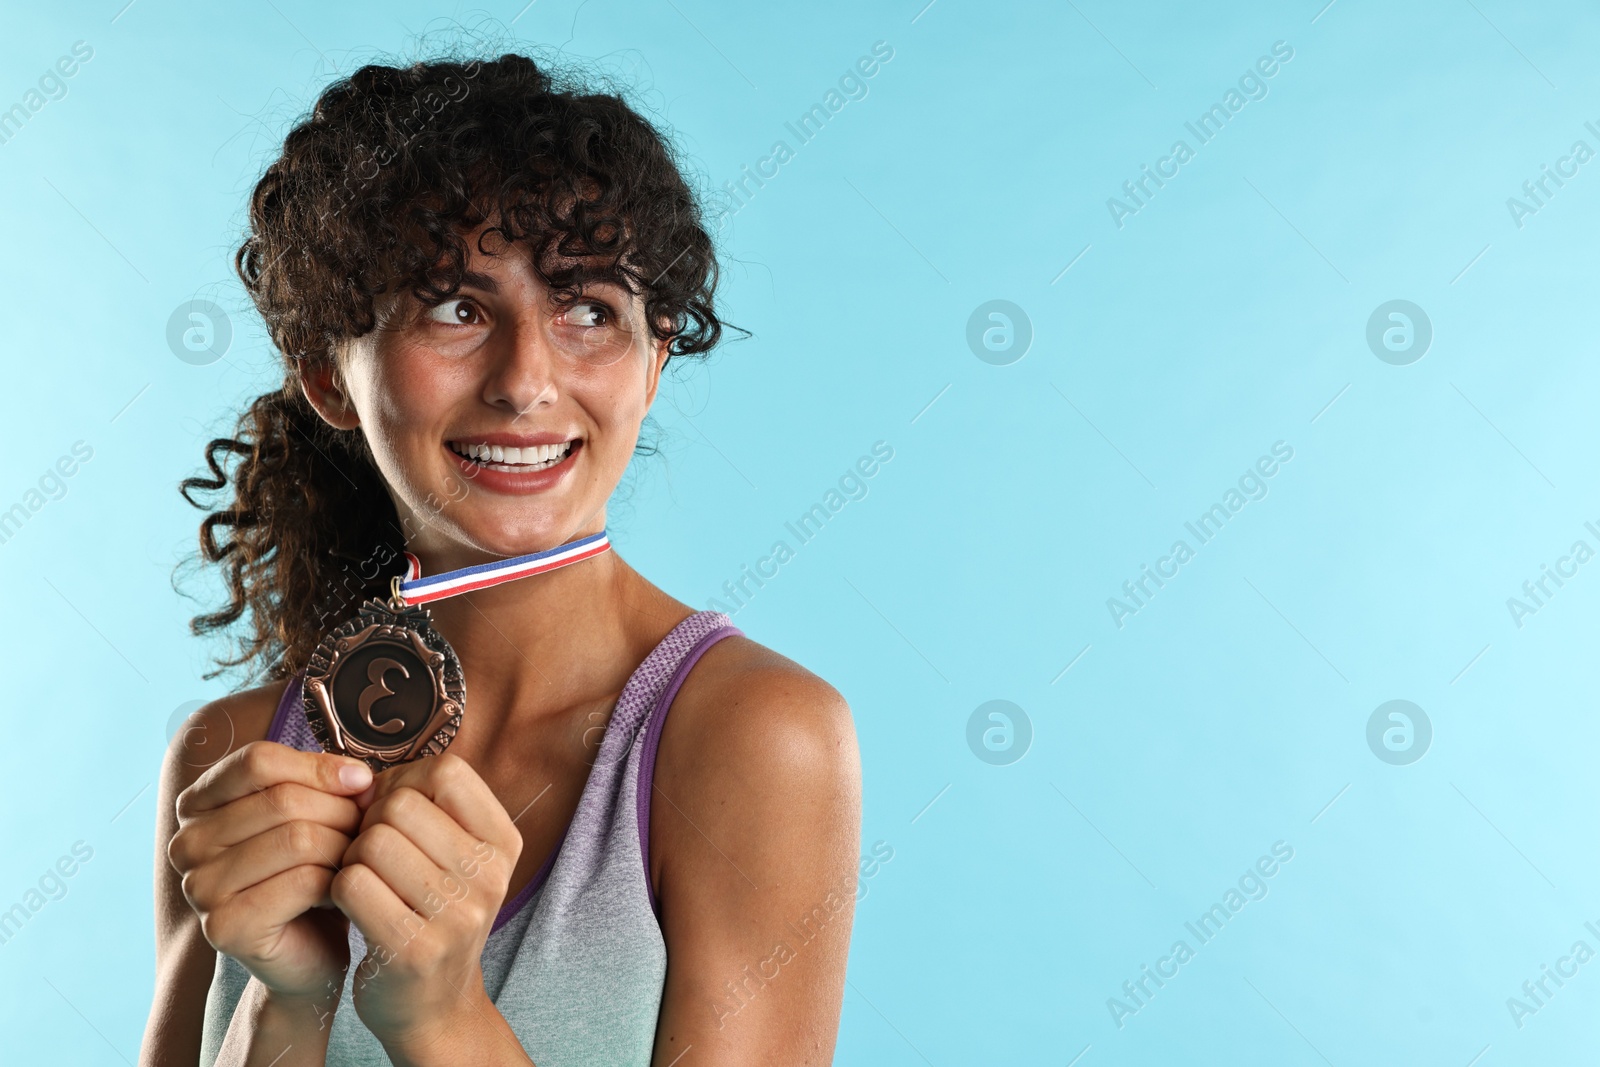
(415, 589)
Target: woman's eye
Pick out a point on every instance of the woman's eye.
(587, 313)
(455, 313)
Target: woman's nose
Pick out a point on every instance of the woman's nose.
(522, 375)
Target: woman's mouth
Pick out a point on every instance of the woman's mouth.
(512, 460)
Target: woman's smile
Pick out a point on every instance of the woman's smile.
(515, 463)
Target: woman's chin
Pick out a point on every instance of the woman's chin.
(503, 539)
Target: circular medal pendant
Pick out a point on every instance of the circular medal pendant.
(384, 687)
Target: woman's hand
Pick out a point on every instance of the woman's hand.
(259, 839)
(423, 881)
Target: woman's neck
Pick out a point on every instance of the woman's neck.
(546, 642)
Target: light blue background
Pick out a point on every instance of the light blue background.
(1223, 317)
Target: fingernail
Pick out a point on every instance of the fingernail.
(355, 776)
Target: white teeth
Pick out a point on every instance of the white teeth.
(531, 456)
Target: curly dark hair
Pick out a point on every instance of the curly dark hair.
(375, 192)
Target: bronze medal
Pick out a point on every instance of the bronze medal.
(384, 687)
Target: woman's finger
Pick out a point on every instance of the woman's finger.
(431, 829)
(419, 882)
(261, 764)
(386, 922)
(283, 897)
(213, 831)
(451, 783)
(282, 848)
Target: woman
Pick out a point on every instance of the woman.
(476, 276)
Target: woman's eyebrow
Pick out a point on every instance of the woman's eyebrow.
(588, 281)
(585, 281)
(480, 281)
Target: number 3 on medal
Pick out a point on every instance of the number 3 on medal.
(377, 691)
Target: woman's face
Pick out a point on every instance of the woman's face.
(501, 418)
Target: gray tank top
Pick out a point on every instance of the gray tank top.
(575, 961)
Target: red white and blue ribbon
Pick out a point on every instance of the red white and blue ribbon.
(415, 589)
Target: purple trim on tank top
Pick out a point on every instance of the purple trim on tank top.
(291, 694)
(652, 740)
(516, 903)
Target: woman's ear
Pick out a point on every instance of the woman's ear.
(326, 394)
(659, 355)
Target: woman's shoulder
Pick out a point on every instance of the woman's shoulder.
(756, 804)
(748, 713)
(222, 726)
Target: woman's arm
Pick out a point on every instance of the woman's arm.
(270, 1032)
(185, 960)
(754, 828)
